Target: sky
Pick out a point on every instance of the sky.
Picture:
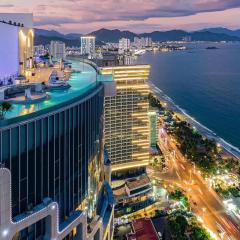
(84, 16)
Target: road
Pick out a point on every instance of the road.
(205, 203)
(232, 150)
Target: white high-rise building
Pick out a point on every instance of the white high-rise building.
(88, 46)
(142, 42)
(58, 50)
(148, 42)
(124, 45)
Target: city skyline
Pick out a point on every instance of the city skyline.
(72, 15)
(114, 135)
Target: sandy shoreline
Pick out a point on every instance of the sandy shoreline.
(230, 149)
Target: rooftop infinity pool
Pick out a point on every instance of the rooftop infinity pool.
(81, 83)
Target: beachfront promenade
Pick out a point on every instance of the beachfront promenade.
(232, 150)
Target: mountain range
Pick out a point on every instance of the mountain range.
(235, 33)
(106, 35)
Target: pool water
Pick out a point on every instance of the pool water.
(81, 82)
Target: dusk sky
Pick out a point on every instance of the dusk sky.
(84, 16)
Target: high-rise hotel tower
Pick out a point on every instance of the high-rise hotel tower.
(126, 117)
(52, 167)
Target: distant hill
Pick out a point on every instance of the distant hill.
(220, 30)
(39, 39)
(48, 33)
(173, 35)
(73, 36)
(212, 37)
(46, 36)
(106, 35)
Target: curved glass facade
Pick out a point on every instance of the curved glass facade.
(49, 156)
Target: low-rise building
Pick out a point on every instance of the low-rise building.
(143, 229)
(135, 194)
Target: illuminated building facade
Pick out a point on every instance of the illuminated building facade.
(52, 181)
(142, 42)
(124, 45)
(153, 121)
(16, 47)
(58, 50)
(88, 46)
(126, 117)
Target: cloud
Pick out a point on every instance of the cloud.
(105, 10)
(54, 21)
(6, 5)
(103, 13)
(89, 11)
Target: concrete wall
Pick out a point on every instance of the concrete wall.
(9, 53)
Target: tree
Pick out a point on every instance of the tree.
(199, 233)
(182, 222)
(177, 195)
(178, 225)
(4, 108)
(154, 102)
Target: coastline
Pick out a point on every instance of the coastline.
(183, 115)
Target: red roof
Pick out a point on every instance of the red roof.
(143, 230)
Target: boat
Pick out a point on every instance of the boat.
(211, 48)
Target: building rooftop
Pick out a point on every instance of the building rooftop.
(120, 193)
(138, 182)
(83, 80)
(133, 183)
(143, 229)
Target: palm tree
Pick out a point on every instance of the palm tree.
(4, 108)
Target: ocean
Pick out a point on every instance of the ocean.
(204, 83)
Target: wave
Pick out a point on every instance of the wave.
(195, 121)
(230, 145)
(209, 133)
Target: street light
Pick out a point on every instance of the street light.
(191, 180)
(194, 167)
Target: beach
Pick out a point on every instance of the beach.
(228, 148)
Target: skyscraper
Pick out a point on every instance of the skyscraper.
(126, 117)
(142, 42)
(52, 179)
(88, 46)
(57, 50)
(124, 45)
